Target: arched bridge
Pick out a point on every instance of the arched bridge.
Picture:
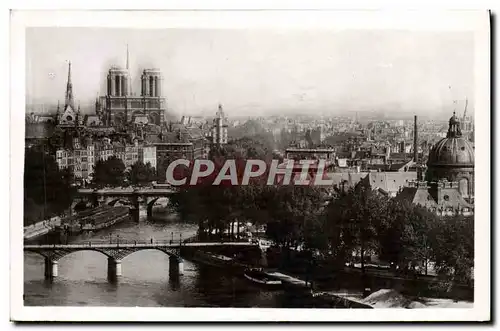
(117, 251)
(140, 199)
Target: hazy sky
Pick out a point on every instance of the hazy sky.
(259, 71)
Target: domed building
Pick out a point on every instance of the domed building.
(452, 159)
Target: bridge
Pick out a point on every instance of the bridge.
(141, 199)
(117, 251)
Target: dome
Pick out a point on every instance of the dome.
(453, 152)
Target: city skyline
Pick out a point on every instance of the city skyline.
(260, 72)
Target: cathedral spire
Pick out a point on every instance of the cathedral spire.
(127, 58)
(69, 90)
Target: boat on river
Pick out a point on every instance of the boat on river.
(258, 276)
(216, 260)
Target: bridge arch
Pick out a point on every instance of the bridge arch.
(152, 202)
(56, 255)
(126, 253)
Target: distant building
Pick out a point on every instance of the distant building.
(147, 154)
(218, 132)
(343, 181)
(104, 150)
(80, 159)
(131, 154)
(442, 198)
(310, 153)
(389, 183)
(317, 136)
(182, 143)
(119, 150)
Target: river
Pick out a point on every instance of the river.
(82, 279)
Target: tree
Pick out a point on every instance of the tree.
(452, 247)
(110, 172)
(141, 173)
(47, 189)
(352, 223)
(290, 208)
(403, 235)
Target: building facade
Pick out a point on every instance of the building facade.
(147, 154)
(131, 154)
(119, 107)
(104, 150)
(80, 159)
(442, 198)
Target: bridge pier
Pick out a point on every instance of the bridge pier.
(51, 268)
(176, 265)
(143, 214)
(114, 269)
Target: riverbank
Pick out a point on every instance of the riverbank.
(389, 298)
(36, 230)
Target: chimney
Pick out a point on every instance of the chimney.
(415, 145)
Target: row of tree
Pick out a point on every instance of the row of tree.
(112, 172)
(335, 225)
(355, 223)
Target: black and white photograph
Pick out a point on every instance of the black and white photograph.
(228, 160)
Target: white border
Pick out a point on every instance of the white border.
(477, 21)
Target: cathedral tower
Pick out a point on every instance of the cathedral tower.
(121, 108)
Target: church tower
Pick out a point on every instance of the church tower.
(69, 90)
(68, 116)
